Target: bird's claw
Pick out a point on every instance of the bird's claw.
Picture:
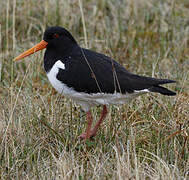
(84, 135)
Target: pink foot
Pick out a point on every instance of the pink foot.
(83, 135)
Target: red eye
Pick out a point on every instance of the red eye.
(55, 35)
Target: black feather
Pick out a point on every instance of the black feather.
(162, 90)
(91, 72)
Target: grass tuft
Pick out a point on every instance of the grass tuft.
(146, 139)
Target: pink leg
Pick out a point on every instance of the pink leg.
(91, 133)
(102, 117)
(89, 124)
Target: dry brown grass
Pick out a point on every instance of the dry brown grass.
(147, 139)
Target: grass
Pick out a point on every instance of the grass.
(146, 139)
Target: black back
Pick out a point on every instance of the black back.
(92, 72)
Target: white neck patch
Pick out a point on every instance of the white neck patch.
(58, 85)
(60, 64)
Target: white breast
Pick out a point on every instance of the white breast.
(84, 99)
(52, 76)
(58, 85)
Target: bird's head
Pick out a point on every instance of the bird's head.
(53, 36)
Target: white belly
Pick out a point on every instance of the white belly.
(84, 99)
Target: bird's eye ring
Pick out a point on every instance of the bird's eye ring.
(55, 35)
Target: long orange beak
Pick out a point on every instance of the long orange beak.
(37, 47)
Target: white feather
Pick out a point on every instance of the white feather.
(60, 64)
(142, 91)
(88, 100)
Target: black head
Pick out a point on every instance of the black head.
(58, 42)
(55, 33)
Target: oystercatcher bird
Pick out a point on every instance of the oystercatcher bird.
(88, 77)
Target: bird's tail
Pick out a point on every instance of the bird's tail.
(141, 83)
(162, 90)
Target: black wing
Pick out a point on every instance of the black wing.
(91, 72)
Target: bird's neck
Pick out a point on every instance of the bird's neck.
(52, 54)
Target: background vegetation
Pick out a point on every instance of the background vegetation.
(146, 139)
